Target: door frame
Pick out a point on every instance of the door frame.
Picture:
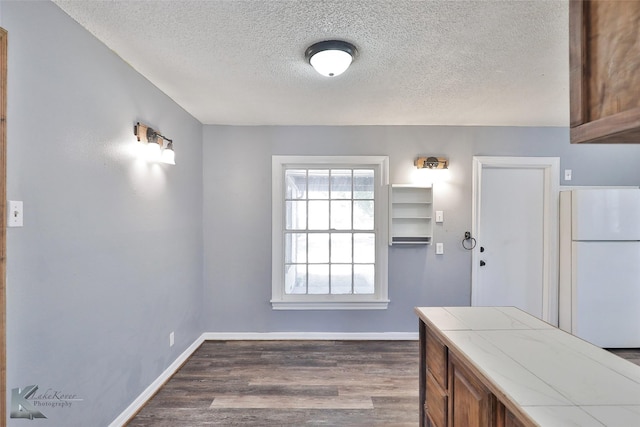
(3, 224)
(551, 169)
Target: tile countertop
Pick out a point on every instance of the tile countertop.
(556, 378)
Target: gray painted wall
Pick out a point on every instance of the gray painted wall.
(112, 254)
(109, 261)
(237, 214)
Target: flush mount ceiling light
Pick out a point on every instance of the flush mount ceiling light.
(331, 57)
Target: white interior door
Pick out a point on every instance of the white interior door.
(515, 225)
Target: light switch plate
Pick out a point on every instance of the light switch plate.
(439, 248)
(567, 174)
(439, 216)
(15, 214)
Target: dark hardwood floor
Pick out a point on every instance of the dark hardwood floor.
(291, 383)
(294, 383)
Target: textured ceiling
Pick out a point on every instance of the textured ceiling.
(437, 62)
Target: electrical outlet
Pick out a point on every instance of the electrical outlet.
(171, 339)
(439, 248)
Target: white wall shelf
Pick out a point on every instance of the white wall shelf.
(410, 214)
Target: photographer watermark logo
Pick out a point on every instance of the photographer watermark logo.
(25, 403)
(21, 407)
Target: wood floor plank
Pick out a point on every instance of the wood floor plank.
(389, 389)
(291, 402)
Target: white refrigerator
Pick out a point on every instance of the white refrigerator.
(599, 297)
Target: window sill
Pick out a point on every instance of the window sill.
(330, 305)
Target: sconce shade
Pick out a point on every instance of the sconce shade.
(153, 151)
(331, 57)
(168, 155)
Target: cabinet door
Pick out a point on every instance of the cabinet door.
(436, 403)
(471, 403)
(436, 354)
(604, 71)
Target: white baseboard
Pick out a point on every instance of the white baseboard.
(137, 404)
(265, 336)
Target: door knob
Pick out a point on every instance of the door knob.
(482, 263)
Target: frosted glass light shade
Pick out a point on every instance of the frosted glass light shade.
(153, 151)
(331, 57)
(168, 156)
(331, 63)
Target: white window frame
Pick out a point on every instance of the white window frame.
(379, 300)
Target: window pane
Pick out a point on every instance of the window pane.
(318, 248)
(296, 183)
(341, 247)
(329, 231)
(341, 279)
(296, 215)
(318, 215)
(295, 248)
(295, 279)
(363, 184)
(340, 184)
(363, 279)
(319, 279)
(341, 214)
(318, 184)
(364, 248)
(363, 215)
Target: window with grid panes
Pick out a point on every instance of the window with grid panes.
(329, 232)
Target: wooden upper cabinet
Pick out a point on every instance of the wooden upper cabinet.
(604, 51)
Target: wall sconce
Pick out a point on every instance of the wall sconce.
(156, 150)
(431, 163)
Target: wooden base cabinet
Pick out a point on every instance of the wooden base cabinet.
(502, 367)
(436, 380)
(451, 395)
